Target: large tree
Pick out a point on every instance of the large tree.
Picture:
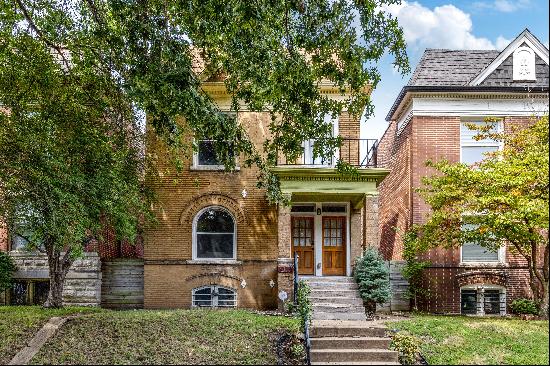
(501, 200)
(75, 72)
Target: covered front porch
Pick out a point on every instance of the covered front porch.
(332, 217)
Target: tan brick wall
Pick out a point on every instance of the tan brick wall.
(171, 285)
(349, 127)
(405, 155)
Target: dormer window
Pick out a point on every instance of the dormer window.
(524, 64)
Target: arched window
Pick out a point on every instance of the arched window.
(214, 297)
(214, 234)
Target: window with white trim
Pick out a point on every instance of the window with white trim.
(214, 234)
(483, 300)
(214, 297)
(309, 156)
(473, 252)
(205, 157)
(472, 151)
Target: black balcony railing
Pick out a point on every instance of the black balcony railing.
(360, 153)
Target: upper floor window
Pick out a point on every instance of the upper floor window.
(214, 234)
(309, 155)
(473, 151)
(473, 252)
(205, 157)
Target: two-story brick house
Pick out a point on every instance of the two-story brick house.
(428, 119)
(218, 242)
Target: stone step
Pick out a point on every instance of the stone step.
(328, 279)
(349, 300)
(319, 292)
(353, 355)
(333, 286)
(350, 343)
(337, 308)
(338, 316)
(330, 328)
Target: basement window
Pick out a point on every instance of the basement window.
(483, 300)
(214, 297)
(29, 292)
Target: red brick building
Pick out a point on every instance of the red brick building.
(427, 121)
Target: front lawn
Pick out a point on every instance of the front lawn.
(459, 340)
(18, 324)
(168, 337)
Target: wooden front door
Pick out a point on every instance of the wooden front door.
(334, 245)
(303, 243)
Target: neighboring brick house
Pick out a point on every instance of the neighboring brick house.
(218, 242)
(427, 121)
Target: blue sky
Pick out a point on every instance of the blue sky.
(475, 24)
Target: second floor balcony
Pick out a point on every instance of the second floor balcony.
(360, 153)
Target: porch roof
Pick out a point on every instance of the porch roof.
(327, 184)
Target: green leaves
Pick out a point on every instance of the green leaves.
(372, 276)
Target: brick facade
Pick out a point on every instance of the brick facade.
(405, 154)
(263, 267)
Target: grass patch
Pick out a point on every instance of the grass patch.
(167, 337)
(18, 324)
(459, 340)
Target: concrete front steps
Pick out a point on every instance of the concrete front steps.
(340, 333)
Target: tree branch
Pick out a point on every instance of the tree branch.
(40, 34)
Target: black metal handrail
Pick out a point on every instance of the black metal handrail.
(360, 153)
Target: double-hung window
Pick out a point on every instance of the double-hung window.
(473, 151)
(475, 253)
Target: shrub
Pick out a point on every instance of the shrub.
(408, 347)
(7, 267)
(524, 306)
(303, 306)
(372, 276)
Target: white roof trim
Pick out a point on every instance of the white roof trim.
(526, 37)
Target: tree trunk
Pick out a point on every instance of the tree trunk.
(58, 267)
(55, 295)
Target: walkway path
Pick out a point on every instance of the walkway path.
(24, 356)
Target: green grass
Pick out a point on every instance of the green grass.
(458, 340)
(18, 324)
(167, 337)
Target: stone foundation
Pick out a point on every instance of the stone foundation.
(82, 285)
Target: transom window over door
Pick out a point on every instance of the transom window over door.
(214, 234)
(471, 150)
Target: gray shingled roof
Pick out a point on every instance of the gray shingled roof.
(449, 67)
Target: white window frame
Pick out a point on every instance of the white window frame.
(197, 166)
(501, 258)
(194, 233)
(482, 143)
(213, 288)
(308, 146)
(480, 299)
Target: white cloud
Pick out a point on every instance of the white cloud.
(502, 42)
(505, 6)
(444, 26)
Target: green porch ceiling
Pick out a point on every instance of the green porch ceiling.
(327, 184)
